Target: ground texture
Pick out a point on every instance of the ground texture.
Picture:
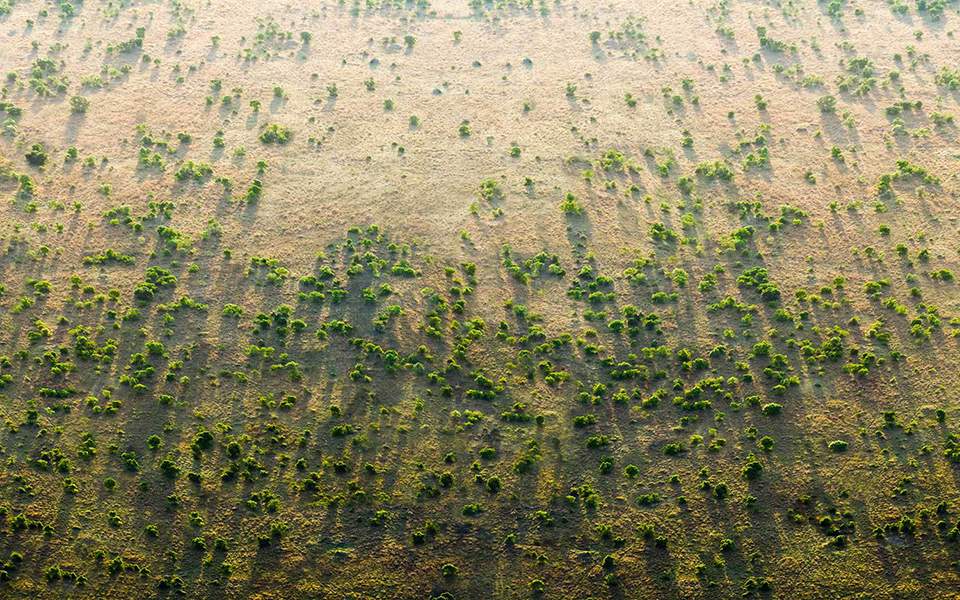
(479, 299)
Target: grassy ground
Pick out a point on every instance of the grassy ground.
(471, 300)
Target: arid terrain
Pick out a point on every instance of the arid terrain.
(480, 299)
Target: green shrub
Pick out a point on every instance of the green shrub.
(275, 134)
(37, 156)
(771, 409)
(79, 105)
(838, 446)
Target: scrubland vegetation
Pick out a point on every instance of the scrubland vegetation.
(479, 299)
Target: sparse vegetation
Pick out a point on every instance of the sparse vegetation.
(579, 300)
